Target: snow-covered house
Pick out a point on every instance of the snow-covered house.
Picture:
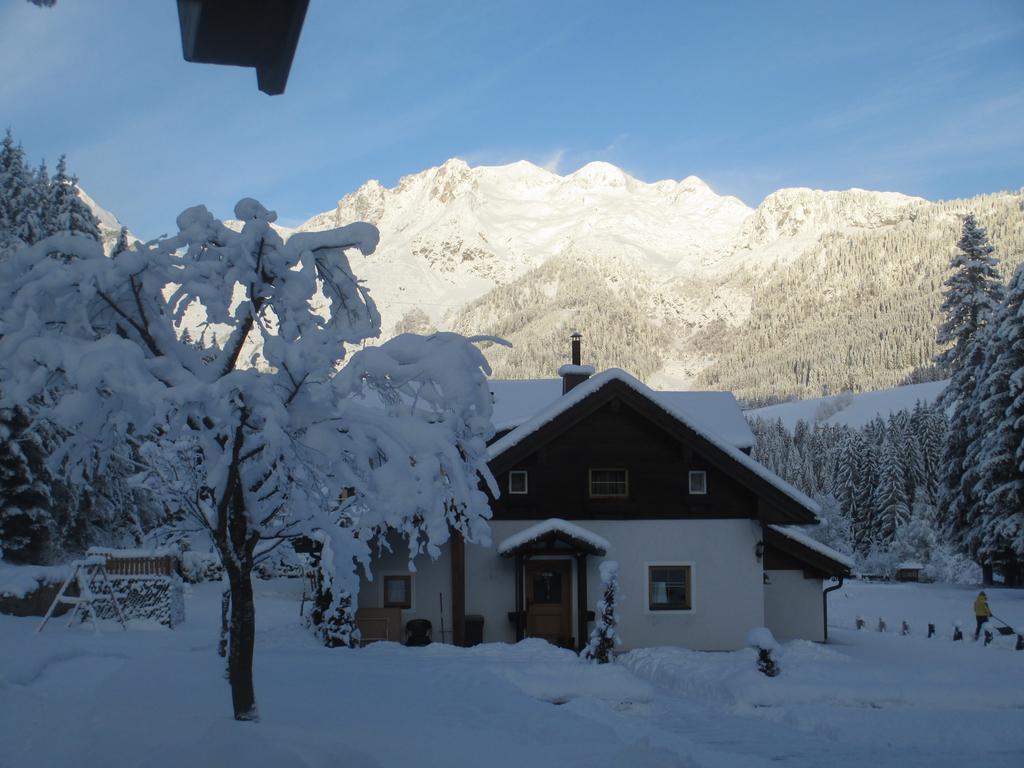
(594, 467)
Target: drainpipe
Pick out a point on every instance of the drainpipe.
(824, 603)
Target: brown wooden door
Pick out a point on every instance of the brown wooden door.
(548, 608)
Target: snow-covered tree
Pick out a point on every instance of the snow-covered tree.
(26, 523)
(251, 453)
(998, 448)
(66, 213)
(972, 292)
(604, 636)
(892, 507)
(20, 221)
(122, 245)
(332, 616)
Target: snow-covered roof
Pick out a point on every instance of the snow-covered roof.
(592, 385)
(910, 567)
(795, 534)
(518, 401)
(554, 525)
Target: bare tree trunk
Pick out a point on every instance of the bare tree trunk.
(237, 543)
(241, 642)
(986, 574)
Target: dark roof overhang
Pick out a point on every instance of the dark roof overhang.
(811, 558)
(245, 33)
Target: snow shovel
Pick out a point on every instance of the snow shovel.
(1006, 629)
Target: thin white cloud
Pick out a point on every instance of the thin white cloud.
(554, 162)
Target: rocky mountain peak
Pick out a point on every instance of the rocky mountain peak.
(801, 211)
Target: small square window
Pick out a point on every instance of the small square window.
(669, 587)
(698, 482)
(517, 481)
(398, 591)
(609, 483)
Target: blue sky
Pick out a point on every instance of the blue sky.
(925, 98)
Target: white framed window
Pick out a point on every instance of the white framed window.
(518, 481)
(669, 587)
(397, 591)
(609, 483)
(698, 482)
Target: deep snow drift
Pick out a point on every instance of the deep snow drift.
(157, 698)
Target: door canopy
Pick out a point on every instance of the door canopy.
(554, 536)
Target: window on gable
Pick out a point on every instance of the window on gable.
(398, 591)
(698, 482)
(609, 483)
(669, 587)
(517, 481)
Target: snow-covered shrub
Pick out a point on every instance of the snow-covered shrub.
(332, 617)
(198, 567)
(768, 650)
(604, 636)
(281, 562)
(951, 567)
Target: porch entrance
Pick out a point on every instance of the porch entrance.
(544, 556)
(548, 608)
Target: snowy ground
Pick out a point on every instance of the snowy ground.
(157, 698)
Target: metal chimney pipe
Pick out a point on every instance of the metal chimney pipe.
(576, 337)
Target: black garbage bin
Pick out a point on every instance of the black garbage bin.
(474, 629)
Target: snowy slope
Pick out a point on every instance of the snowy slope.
(851, 410)
(110, 226)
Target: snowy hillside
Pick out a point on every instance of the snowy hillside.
(853, 411)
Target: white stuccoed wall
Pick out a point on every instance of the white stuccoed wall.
(728, 596)
(430, 579)
(793, 606)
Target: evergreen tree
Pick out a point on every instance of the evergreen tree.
(27, 532)
(121, 246)
(972, 292)
(604, 637)
(999, 526)
(891, 505)
(67, 214)
(19, 199)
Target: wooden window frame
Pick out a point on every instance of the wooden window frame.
(405, 604)
(704, 474)
(590, 483)
(526, 482)
(686, 605)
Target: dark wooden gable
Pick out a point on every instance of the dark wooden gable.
(785, 554)
(616, 427)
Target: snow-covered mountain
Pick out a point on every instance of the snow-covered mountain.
(522, 252)
(110, 225)
(670, 280)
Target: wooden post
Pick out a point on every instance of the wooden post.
(458, 589)
(519, 597)
(581, 601)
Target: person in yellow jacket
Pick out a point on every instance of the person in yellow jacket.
(981, 612)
